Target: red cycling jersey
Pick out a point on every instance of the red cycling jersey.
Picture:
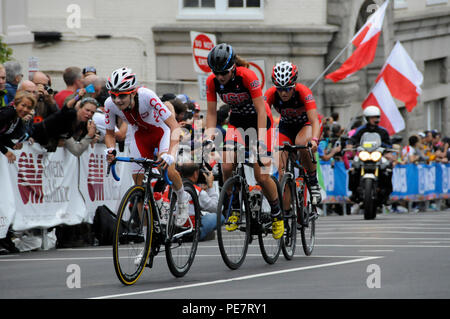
(238, 92)
(294, 110)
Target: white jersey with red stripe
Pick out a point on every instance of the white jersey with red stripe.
(149, 117)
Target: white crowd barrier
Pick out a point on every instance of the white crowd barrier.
(45, 189)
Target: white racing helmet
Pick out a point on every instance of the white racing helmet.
(371, 111)
(122, 80)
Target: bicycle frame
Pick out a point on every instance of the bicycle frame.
(149, 174)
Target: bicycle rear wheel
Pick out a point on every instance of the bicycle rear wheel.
(132, 236)
(289, 194)
(308, 218)
(269, 246)
(233, 242)
(182, 242)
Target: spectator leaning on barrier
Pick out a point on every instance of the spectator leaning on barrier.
(46, 104)
(3, 91)
(59, 125)
(72, 78)
(11, 124)
(443, 152)
(85, 132)
(208, 197)
(13, 77)
(120, 131)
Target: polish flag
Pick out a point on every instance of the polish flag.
(390, 118)
(401, 75)
(365, 41)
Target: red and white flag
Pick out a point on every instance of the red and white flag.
(365, 41)
(390, 118)
(401, 75)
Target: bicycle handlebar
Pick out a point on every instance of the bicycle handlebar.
(293, 148)
(112, 166)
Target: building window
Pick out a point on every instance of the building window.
(435, 73)
(244, 3)
(400, 4)
(433, 2)
(435, 114)
(198, 3)
(220, 10)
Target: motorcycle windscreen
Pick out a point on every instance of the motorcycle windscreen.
(370, 141)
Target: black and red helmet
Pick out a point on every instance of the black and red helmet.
(284, 74)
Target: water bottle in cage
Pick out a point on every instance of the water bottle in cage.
(164, 208)
(255, 198)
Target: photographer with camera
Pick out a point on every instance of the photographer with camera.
(330, 146)
(208, 196)
(46, 104)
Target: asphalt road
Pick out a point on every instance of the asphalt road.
(394, 256)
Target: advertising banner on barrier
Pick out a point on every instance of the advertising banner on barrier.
(420, 182)
(44, 187)
(336, 181)
(7, 197)
(98, 189)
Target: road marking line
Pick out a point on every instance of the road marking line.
(379, 232)
(375, 250)
(382, 238)
(381, 245)
(221, 281)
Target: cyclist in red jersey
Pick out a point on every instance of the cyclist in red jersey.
(239, 87)
(299, 123)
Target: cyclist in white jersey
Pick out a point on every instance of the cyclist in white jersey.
(152, 125)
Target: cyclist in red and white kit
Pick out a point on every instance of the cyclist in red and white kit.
(240, 88)
(299, 123)
(153, 127)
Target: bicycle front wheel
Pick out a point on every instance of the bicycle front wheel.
(290, 207)
(269, 246)
(181, 243)
(132, 236)
(234, 234)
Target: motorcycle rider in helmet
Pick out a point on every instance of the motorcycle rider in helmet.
(372, 116)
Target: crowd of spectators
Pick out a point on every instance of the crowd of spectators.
(32, 111)
(422, 147)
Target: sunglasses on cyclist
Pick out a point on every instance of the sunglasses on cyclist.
(223, 73)
(284, 89)
(120, 95)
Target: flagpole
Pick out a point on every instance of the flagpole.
(329, 66)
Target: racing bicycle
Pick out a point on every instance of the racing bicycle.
(144, 225)
(250, 216)
(299, 212)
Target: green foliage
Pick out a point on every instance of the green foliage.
(5, 52)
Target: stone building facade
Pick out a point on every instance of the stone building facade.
(152, 37)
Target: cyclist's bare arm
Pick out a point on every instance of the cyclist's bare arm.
(262, 118)
(211, 119)
(175, 133)
(314, 120)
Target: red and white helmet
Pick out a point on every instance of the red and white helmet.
(122, 80)
(284, 74)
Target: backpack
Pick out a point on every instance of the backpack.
(104, 225)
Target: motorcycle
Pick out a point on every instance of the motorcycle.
(371, 166)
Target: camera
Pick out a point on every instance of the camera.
(48, 89)
(202, 176)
